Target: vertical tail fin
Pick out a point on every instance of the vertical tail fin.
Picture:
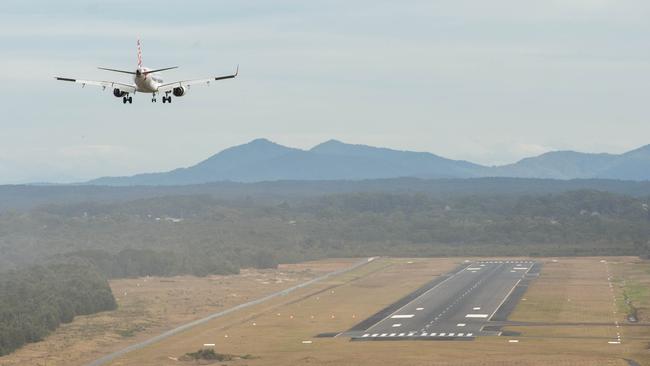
(139, 55)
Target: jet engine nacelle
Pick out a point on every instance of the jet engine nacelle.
(119, 93)
(179, 92)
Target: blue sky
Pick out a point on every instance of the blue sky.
(490, 82)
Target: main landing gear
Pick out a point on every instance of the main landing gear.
(167, 98)
(127, 99)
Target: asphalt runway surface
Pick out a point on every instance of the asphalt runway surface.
(459, 306)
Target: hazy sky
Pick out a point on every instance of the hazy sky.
(486, 81)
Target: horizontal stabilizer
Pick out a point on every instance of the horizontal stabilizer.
(163, 69)
(114, 70)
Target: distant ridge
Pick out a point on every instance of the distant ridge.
(263, 160)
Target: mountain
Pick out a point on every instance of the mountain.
(263, 160)
(633, 165)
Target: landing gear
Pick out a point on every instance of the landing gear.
(153, 98)
(167, 99)
(127, 99)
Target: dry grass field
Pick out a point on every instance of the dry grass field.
(149, 306)
(282, 331)
(570, 290)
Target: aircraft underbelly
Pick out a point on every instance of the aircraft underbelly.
(145, 86)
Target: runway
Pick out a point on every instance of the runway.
(458, 307)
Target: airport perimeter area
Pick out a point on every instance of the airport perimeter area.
(562, 311)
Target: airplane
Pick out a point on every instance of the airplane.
(147, 81)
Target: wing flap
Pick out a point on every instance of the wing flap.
(186, 83)
(104, 84)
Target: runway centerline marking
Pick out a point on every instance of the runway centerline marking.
(404, 316)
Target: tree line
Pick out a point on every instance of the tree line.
(34, 301)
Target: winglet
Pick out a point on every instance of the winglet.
(237, 71)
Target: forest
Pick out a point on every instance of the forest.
(36, 300)
(201, 234)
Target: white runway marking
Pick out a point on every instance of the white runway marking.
(473, 269)
(520, 268)
(366, 335)
(419, 309)
(482, 316)
(405, 316)
(460, 324)
(513, 341)
(442, 334)
(306, 342)
(477, 308)
(461, 334)
(397, 325)
(470, 334)
(392, 334)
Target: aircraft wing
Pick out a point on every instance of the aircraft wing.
(186, 83)
(129, 88)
